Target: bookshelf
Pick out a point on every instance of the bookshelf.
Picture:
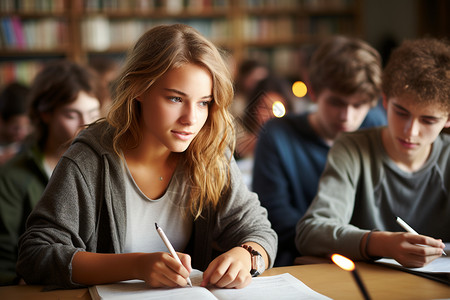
(34, 31)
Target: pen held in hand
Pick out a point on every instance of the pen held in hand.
(171, 249)
(408, 228)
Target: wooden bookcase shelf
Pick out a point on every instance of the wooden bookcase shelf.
(76, 29)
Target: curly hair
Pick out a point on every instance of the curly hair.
(347, 66)
(160, 49)
(420, 68)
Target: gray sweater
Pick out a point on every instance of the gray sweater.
(362, 189)
(83, 209)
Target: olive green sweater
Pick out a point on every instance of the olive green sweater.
(22, 182)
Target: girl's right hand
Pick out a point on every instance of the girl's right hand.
(157, 269)
(160, 269)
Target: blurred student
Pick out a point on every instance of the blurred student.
(107, 70)
(163, 155)
(403, 170)
(345, 78)
(272, 97)
(249, 73)
(63, 98)
(14, 121)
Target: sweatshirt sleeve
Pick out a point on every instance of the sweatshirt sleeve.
(243, 219)
(325, 229)
(59, 226)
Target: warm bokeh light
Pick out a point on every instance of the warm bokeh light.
(299, 89)
(343, 262)
(278, 109)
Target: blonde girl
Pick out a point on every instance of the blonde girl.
(163, 155)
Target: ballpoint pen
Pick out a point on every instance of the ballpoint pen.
(170, 247)
(409, 229)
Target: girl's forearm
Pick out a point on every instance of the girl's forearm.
(97, 268)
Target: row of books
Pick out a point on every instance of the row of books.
(328, 4)
(325, 26)
(271, 4)
(22, 71)
(169, 6)
(33, 6)
(284, 60)
(100, 33)
(33, 34)
(273, 29)
(178, 6)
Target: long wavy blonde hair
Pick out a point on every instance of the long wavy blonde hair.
(160, 49)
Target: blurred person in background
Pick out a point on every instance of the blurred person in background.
(345, 83)
(107, 70)
(14, 121)
(249, 73)
(271, 97)
(63, 98)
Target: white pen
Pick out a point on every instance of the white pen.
(409, 229)
(170, 247)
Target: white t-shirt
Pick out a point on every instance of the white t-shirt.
(143, 213)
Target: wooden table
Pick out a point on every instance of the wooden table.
(327, 279)
(381, 282)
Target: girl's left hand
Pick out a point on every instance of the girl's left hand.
(229, 270)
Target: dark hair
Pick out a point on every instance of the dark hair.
(58, 84)
(244, 70)
(13, 100)
(420, 68)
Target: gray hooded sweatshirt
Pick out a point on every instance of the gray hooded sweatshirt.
(83, 209)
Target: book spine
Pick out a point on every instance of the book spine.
(18, 32)
(8, 32)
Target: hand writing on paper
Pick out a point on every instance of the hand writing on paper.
(229, 270)
(406, 248)
(160, 269)
(411, 250)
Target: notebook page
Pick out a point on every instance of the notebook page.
(137, 289)
(283, 286)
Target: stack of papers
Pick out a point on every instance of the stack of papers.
(284, 286)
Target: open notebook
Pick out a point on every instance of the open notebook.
(438, 269)
(283, 286)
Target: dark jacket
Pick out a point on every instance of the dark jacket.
(22, 182)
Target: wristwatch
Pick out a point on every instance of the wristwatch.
(258, 264)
